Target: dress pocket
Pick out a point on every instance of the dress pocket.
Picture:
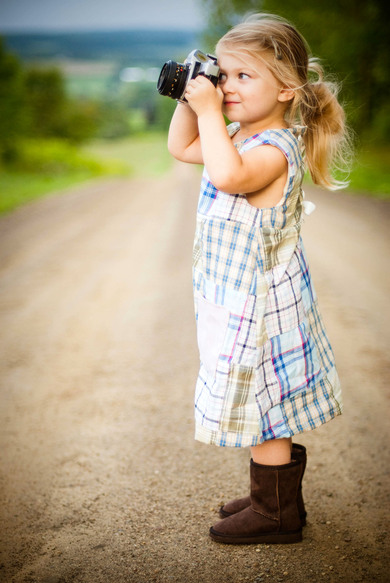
(213, 322)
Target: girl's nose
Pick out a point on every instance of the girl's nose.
(227, 86)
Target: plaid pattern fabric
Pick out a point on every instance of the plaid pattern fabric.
(267, 368)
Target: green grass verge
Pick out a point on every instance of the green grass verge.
(21, 187)
(147, 154)
(370, 172)
(46, 166)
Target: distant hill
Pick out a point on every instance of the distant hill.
(127, 48)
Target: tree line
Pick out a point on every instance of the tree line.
(34, 103)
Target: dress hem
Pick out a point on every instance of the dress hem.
(240, 440)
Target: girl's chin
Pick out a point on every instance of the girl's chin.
(229, 112)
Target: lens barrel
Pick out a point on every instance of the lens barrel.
(172, 80)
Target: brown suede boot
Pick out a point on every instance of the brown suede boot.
(298, 453)
(273, 515)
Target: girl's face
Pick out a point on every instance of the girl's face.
(252, 95)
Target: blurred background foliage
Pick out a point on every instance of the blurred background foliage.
(351, 38)
(67, 113)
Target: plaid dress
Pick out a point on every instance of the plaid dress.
(267, 369)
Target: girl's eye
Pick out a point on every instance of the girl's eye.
(223, 77)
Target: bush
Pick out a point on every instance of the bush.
(43, 156)
(44, 166)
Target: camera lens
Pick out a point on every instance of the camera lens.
(172, 80)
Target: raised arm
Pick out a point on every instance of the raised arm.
(228, 170)
(183, 137)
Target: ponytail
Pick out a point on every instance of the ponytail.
(326, 137)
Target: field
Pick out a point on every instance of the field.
(146, 154)
(88, 79)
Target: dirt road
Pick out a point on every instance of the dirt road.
(101, 480)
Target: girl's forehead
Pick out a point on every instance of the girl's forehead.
(235, 60)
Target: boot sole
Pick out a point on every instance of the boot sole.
(276, 538)
(224, 514)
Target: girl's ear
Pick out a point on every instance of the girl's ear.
(286, 94)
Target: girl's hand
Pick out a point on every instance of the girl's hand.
(202, 96)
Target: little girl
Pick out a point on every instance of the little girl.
(267, 369)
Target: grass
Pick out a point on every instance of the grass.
(45, 166)
(370, 173)
(19, 188)
(146, 153)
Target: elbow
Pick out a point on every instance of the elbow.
(174, 150)
(188, 154)
(226, 174)
(225, 182)
(177, 152)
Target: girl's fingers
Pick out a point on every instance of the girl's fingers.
(199, 80)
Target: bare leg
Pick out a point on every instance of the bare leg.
(274, 452)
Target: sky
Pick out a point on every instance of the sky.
(64, 15)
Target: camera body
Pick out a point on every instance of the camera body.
(174, 77)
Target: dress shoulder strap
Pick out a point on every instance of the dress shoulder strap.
(288, 140)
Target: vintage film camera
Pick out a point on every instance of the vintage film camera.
(174, 77)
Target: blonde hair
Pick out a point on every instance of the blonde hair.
(315, 104)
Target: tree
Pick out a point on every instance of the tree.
(350, 37)
(34, 103)
(45, 92)
(53, 113)
(14, 116)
